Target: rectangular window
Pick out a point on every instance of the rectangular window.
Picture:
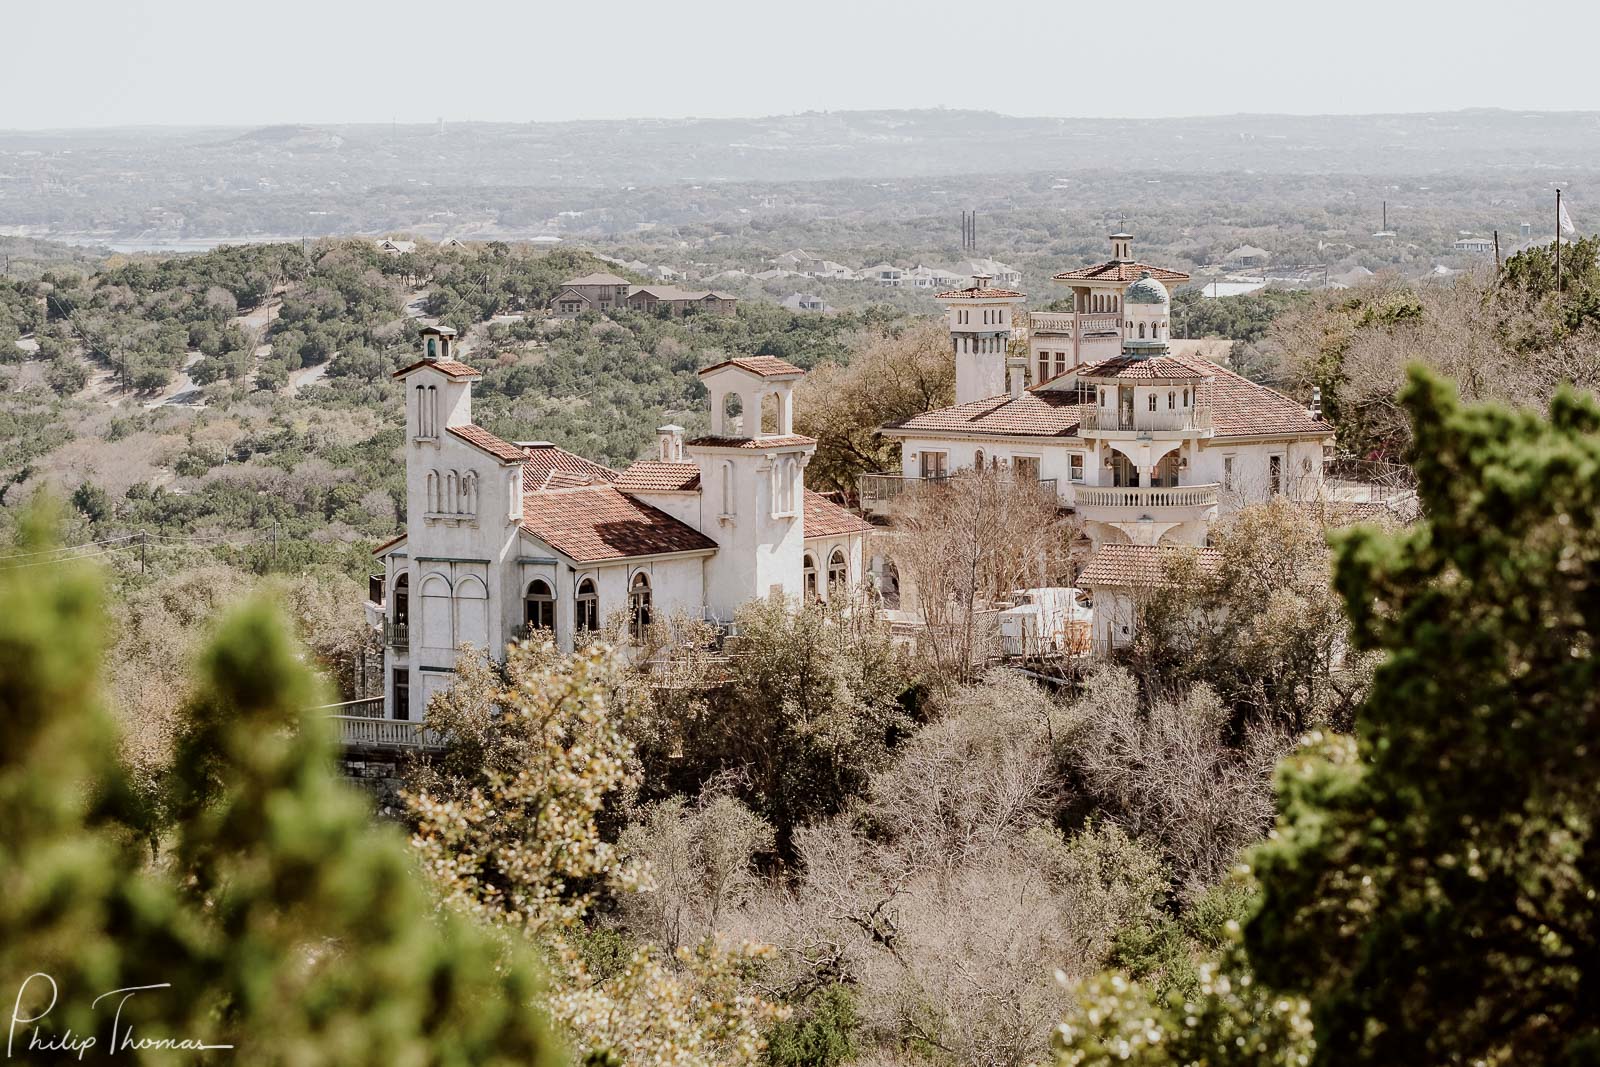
(1227, 473)
(1274, 475)
(1076, 459)
(402, 693)
(1152, 401)
(934, 464)
(1026, 467)
(1061, 364)
(1044, 367)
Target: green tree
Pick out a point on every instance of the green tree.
(1438, 898)
(288, 926)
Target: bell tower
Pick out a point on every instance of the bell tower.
(980, 318)
(752, 482)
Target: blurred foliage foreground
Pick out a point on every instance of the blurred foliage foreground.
(266, 913)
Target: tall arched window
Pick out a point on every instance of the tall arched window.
(838, 571)
(977, 460)
(469, 493)
(402, 600)
(588, 607)
(452, 491)
(433, 348)
(809, 574)
(1172, 399)
(639, 606)
(438, 628)
(1141, 331)
(539, 607)
(732, 414)
(432, 484)
(472, 612)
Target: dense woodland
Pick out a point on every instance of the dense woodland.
(824, 850)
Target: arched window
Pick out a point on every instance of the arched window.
(539, 607)
(432, 483)
(809, 572)
(1186, 398)
(732, 414)
(1141, 331)
(432, 407)
(977, 460)
(588, 607)
(469, 493)
(1102, 398)
(639, 605)
(402, 600)
(838, 571)
(447, 502)
(1172, 399)
(1152, 401)
(433, 348)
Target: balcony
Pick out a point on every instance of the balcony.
(396, 634)
(1131, 499)
(1069, 324)
(1195, 419)
(363, 731)
(878, 491)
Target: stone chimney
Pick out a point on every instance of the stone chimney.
(1016, 375)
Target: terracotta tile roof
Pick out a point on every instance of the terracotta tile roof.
(1113, 271)
(753, 442)
(1241, 408)
(478, 437)
(1145, 566)
(824, 518)
(654, 476)
(454, 368)
(972, 292)
(596, 522)
(542, 464)
(596, 279)
(381, 549)
(1164, 368)
(765, 366)
(1046, 413)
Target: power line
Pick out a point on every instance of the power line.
(69, 548)
(70, 559)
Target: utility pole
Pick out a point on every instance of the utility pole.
(1557, 241)
(1497, 252)
(144, 539)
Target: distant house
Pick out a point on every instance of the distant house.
(592, 292)
(1475, 244)
(885, 274)
(920, 277)
(805, 302)
(1002, 274)
(677, 301)
(395, 248)
(1246, 256)
(454, 243)
(800, 261)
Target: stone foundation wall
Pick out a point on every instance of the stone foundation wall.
(378, 773)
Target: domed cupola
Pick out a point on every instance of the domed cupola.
(1146, 318)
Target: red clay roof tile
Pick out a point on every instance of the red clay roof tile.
(752, 442)
(1145, 566)
(453, 368)
(654, 476)
(765, 366)
(1115, 271)
(824, 518)
(596, 522)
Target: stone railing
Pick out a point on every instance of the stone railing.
(1121, 496)
(361, 731)
(1088, 324)
(1163, 420)
(1056, 322)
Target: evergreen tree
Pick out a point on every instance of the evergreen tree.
(287, 926)
(1438, 897)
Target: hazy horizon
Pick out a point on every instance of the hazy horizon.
(189, 63)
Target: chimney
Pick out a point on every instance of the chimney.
(980, 281)
(670, 440)
(1016, 376)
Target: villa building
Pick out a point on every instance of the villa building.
(505, 540)
(603, 292)
(1147, 447)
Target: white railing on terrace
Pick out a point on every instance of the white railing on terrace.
(361, 731)
(1123, 496)
(1101, 419)
(1067, 323)
(1061, 322)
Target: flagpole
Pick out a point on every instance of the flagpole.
(1558, 240)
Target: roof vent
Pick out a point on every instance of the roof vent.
(535, 444)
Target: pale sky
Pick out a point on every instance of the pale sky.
(75, 63)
